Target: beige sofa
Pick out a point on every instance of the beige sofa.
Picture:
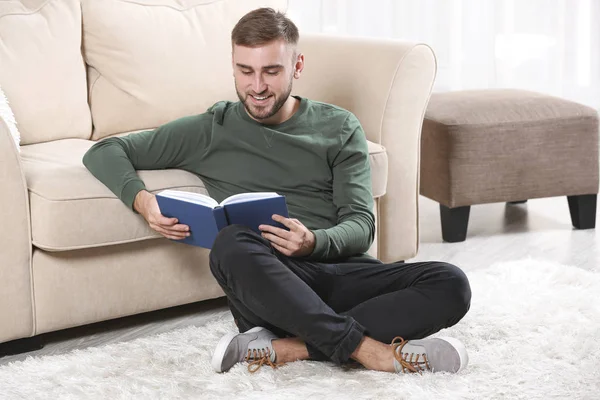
(77, 71)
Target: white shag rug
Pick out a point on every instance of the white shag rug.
(533, 332)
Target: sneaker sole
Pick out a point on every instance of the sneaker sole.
(219, 353)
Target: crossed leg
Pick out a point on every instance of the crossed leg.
(337, 311)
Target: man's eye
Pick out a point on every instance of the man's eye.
(273, 73)
(246, 72)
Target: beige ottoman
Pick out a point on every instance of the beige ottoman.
(503, 145)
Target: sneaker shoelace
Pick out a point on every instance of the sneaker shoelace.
(259, 357)
(410, 362)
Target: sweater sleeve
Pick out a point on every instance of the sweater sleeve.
(352, 195)
(114, 161)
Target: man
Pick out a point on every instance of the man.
(309, 292)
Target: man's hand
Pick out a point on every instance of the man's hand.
(297, 242)
(145, 203)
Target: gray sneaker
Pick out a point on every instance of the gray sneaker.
(441, 354)
(253, 346)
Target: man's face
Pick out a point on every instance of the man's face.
(263, 77)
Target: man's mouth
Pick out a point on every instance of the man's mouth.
(260, 99)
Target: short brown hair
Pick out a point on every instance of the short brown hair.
(263, 26)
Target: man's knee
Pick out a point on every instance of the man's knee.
(458, 289)
(228, 240)
(233, 243)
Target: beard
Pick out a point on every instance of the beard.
(266, 111)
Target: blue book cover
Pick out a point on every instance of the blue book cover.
(206, 217)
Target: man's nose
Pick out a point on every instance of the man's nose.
(259, 84)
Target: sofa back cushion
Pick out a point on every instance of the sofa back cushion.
(41, 69)
(154, 61)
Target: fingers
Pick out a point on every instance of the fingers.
(287, 242)
(282, 250)
(293, 224)
(159, 219)
(179, 231)
(170, 234)
(165, 221)
(179, 228)
(287, 222)
(282, 233)
(169, 228)
(281, 242)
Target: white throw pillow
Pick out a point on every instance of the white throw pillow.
(7, 115)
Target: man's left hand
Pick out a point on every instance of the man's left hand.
(297, 242)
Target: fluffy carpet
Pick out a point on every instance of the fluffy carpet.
(533, 332)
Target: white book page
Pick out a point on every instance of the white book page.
(194, 198)
(242, 197)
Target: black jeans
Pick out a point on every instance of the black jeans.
(332, 306)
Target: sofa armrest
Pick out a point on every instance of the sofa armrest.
(387, 85)
(16, 298)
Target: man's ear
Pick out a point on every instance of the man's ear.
(299, 66)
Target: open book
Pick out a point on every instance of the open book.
(206, 217)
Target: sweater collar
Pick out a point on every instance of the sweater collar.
(241, 110)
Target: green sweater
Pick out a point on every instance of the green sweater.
(318, 159)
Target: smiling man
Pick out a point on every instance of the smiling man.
(265, 89)
(309, 292)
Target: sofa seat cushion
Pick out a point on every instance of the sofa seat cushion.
(71, 209)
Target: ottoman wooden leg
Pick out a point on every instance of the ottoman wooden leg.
(583, 210)
(454, 223)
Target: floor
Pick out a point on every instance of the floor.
(538, 229)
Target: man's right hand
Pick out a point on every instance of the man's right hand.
(145, 203)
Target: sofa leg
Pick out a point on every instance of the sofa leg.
(583, 210)
(454, 223)
(19, 346)
(517, 202)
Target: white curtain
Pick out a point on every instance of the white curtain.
(549, 46)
